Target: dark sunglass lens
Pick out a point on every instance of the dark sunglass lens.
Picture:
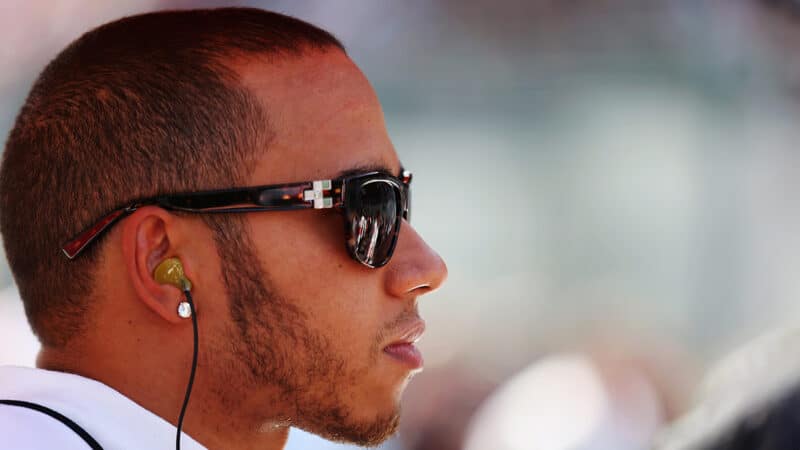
(374, 209)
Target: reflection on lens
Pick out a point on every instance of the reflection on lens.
(407, 211)
(374, 210)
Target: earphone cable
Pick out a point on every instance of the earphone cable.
(191, 374)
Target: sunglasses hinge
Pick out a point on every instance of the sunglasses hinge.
(317, 194)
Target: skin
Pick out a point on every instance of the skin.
(306, 349)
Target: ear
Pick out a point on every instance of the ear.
(149, 236)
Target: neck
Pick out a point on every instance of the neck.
(215, 423)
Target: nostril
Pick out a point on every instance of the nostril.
(421, 289)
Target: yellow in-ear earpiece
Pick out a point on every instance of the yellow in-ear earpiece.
(170, 271)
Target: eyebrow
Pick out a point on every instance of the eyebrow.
(368, 167)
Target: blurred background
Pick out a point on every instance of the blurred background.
(613, 184)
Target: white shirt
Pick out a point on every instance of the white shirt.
(113, 420)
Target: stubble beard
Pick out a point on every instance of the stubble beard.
(271, 339)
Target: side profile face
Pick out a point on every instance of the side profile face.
(302, 338)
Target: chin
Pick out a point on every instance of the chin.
(364, 434)
(368, 421)
(357, 406)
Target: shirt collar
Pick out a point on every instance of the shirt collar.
(114, 420)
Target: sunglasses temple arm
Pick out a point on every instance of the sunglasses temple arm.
(73, 247)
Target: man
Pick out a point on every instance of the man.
(235, 145)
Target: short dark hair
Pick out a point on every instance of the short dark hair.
(137, 107)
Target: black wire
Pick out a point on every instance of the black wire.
(191, 375)
(58, 416)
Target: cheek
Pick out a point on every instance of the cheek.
(299, 244)
(305, 260)
(304, 256)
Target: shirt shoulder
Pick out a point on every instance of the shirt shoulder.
(26, 429)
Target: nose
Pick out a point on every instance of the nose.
(415, 268)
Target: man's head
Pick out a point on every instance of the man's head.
(293, 330)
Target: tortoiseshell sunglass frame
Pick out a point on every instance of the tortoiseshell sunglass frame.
(319, 194)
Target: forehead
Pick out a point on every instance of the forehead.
(324, 115)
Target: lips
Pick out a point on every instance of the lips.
(403, 349)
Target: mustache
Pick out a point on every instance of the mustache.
(398, 323)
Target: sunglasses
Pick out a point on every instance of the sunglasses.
(373, 204)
